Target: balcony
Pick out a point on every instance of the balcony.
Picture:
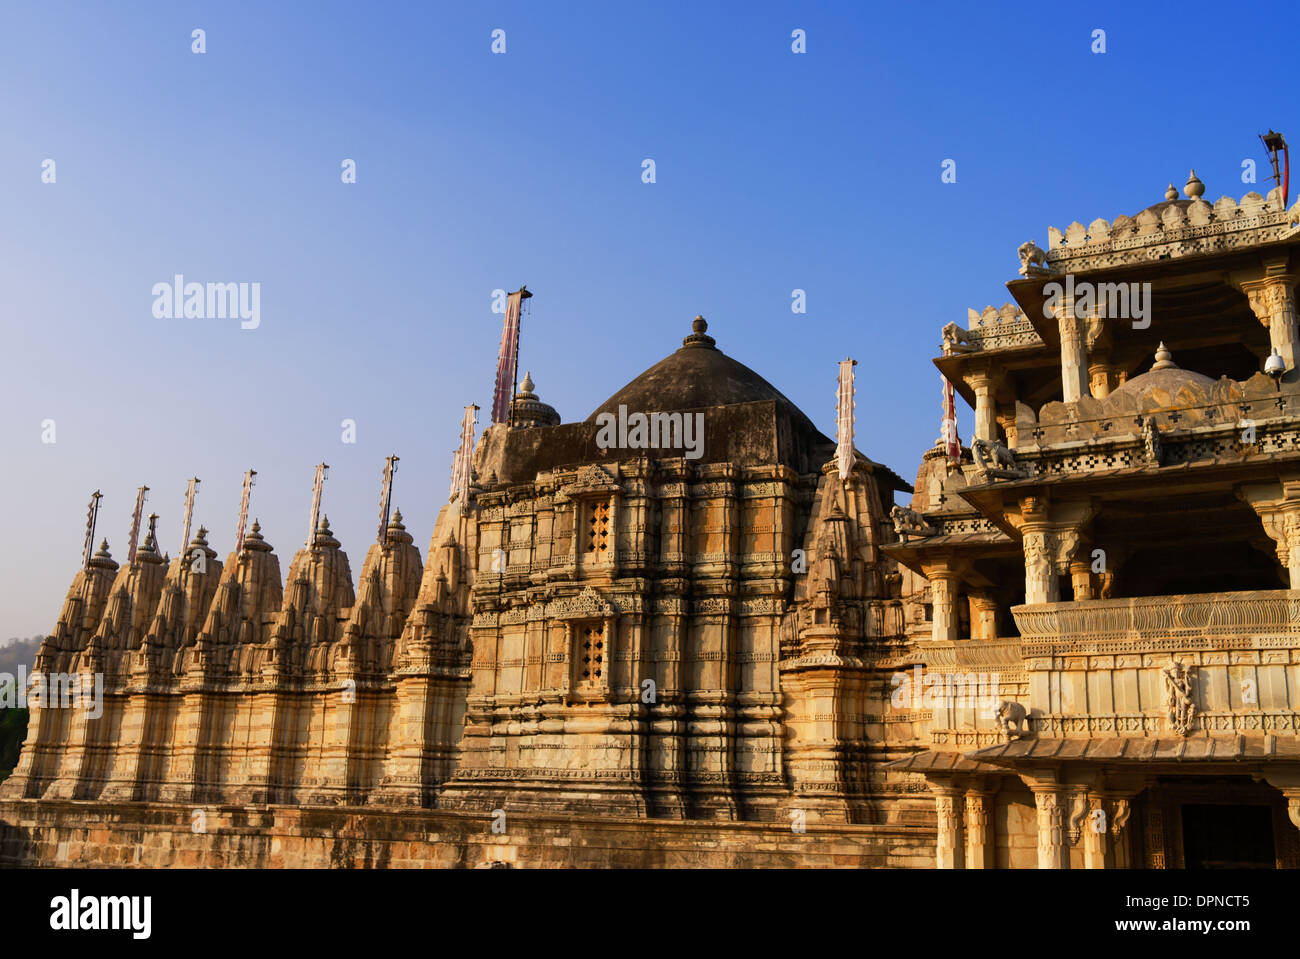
(1098, 668)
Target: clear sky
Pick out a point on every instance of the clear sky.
(775, 171)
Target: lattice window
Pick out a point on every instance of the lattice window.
(598, 529)
(592, 661)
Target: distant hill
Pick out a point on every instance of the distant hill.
(18, 651)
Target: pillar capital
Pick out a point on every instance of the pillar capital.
(1271, 292)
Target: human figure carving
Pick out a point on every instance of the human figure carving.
(1180, 709)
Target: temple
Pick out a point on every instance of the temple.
(1077, 647)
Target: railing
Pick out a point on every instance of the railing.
(1254, 619)
(983, 654)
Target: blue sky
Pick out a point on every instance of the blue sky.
(477, 171)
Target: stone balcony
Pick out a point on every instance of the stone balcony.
(1097, 668)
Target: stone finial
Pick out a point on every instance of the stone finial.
(103, 559)
(324, 524)
(1194, 189)
(1171, 193)
(699, 333)
(396, 521)
(1164, 359)
(254, 541)
(527, 385)
(202, 536)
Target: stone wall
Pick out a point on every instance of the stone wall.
(93, 834)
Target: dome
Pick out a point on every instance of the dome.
(1165, 376)
(697, 376)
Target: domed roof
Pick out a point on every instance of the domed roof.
(697, 376)
(1165, 376)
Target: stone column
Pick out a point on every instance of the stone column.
(1273, 301)
(949, 853)
(1119, 808)
(983, 615)
(979, 828)
(1041, 584)
(984, 383)
(1081, 579)
(1096, 835)
(1053, 845)
(1074, 362)
(1278, 508)
(943, 597)
(1006, 418)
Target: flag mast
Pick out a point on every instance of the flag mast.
(92, 518)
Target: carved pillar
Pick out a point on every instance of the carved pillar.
(983, 616)
(1050, 536)
(1053, 847)
(1006, 417)
(1118, 808)
(1081, 579)
(1040, 576)
(943, 596)
(1094, 831)
(1273, 301)
(1278, 508)
(1074, 365)
(979, 828)
(984, 383)
(949, 853)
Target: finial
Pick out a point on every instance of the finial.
(257, 527)
(103, 547)
(1171, 193)
(397, 519)
(699, 333)
(1194, 189)
(527, 384)
(202, 535)
(1164, 359)
(324, 524)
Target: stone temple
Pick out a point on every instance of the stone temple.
(1078, 647)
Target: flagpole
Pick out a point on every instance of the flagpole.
(519, 335)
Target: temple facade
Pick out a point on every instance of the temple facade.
(1119, 547)
(1078, 646)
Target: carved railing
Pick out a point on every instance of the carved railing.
(975, 654)
(1200, 228)
(1257, 619)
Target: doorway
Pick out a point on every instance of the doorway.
(1221, 836)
